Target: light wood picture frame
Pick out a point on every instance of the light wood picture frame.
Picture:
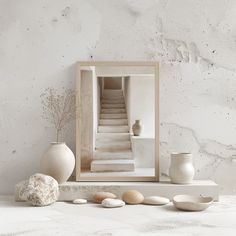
(79, 135)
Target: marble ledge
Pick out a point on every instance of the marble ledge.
(72, 190)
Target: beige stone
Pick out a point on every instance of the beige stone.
(132, 197)
(98, 197)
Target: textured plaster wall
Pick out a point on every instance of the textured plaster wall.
(195, 40)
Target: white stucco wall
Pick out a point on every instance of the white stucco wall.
(195, 41)
(140, 103)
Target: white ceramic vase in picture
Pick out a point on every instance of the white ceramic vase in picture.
(137, 128)
(181, 168)
(58, 162)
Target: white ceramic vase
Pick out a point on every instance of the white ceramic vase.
(137, 128)
(181, 169)
(58, 161)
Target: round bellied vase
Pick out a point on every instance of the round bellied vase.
(58, 161)
(181, 168)
(137, 128)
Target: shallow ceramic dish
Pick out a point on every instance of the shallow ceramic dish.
(192, 203)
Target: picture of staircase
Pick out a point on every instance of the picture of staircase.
(113, 152)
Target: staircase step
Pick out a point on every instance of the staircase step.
(112, 136)
(114, 92)
(121, 105)
(113, 116)
(102, 155)
(113, 111)
(111, 97)
(113, 146)
(113, 122)
(113, 129)
(112, 101)
(112, 165)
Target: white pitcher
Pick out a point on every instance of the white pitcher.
(181, 169)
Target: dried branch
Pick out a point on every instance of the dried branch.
(58, 109)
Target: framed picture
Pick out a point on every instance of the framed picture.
(117, 123)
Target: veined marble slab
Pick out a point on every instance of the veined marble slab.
(19, 218)
(73, 190)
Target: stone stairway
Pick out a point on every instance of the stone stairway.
(113, 146)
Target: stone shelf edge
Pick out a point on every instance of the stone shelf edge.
(72, 190)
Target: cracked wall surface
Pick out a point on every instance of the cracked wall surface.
(195, 41)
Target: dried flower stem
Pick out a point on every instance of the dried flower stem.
(58, 109)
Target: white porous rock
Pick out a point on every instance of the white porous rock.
(22, 192)
(112, 203)
(41, 190)
(155, 200)
(80, 201)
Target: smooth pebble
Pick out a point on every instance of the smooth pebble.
(98, 197)
(132, 197)
(111, 203)
(80, 201)
(155, 200)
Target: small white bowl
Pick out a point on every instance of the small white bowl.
(192, 203)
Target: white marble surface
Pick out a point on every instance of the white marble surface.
(195, 41)
(91, 219)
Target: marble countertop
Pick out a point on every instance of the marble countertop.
(63, 218)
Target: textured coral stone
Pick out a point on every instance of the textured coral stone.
(40, 190)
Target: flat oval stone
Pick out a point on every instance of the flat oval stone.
(80, 201)
(98, 197)
(132, 197)
(111, 203)
(155, 200)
